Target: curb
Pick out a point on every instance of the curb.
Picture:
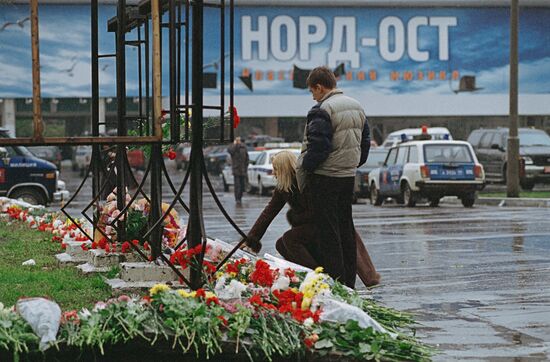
(502, 201)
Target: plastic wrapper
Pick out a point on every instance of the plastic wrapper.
(340, 312)
(283, 264)
(219, 249)
(43, 316)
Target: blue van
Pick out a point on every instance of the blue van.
(27, 177)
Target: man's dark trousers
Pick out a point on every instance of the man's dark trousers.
(331, 200)
(239, 185)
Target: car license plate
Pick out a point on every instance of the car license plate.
(547, 169)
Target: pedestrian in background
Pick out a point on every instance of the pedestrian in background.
(336, 141)
(239, 166)
(299, 244)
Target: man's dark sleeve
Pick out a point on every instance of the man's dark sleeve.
(319, 137)
(365, 144)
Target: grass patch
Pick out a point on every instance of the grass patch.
(526, 194)
(66, 285)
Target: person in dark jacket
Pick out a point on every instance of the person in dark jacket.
(336, 142)
(239, 166)
(298, 244)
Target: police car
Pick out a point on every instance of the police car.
(27, 177)
(429, 170)
(260, 175)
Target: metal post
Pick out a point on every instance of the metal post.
(231, 68)
(96, 159)
(195, 201)
(512, 171)
(222, 71)
(147, 75)
(174, 121)
(156, 149)
(36, 98)
(121, 113)
(140, 81)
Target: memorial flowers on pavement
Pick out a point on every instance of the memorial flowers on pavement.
(265, 308)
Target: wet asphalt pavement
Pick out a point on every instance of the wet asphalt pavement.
(478, 280)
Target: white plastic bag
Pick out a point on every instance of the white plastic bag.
(29, 262)
(43, 316)
(283, 264)
(340, 312)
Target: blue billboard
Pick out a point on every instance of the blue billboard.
(386, 51)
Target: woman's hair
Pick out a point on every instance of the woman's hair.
(285, 164)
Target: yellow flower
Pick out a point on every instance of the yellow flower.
(319, 269)
(209, 295)
(306, 303)
(185, 294)
(232, 274)
(219, 275)
(158, 288)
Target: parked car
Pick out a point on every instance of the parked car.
(428, 170)
(27, 177)
(227, 173)
(48, 153)
(534, 148)
(376, 159)
(215, 159)
(260, 175)
(409, 134)
(82, 157)
(183, 152)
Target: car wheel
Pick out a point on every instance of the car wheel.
(527, 185)
(407, 195)
(468, 200)
(375, 197)
(434, 202)
(261, 189)
(28, 194)
(225, 185)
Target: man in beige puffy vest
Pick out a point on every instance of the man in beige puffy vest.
(336, 142)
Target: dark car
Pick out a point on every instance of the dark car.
(215, 159)
(534, 148)
(48, 153)
(376, 159)
(27, 177)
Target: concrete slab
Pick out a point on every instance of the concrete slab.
(146, 271)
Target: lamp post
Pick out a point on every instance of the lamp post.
(512, 170)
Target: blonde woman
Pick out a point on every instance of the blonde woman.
(298, 244)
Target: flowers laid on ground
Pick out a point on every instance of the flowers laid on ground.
(238, 310)
(263, 308)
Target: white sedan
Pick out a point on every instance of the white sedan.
(227, 172)
(260, 175)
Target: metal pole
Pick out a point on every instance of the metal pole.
(121, 113)
(512, 171)
(156, 148)
(157, 101)
(147, 75)
(140, 81)
(36, 98)
(222, 71)
(231, 68)
(96, 159)
(174, 121)
(195, 201)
